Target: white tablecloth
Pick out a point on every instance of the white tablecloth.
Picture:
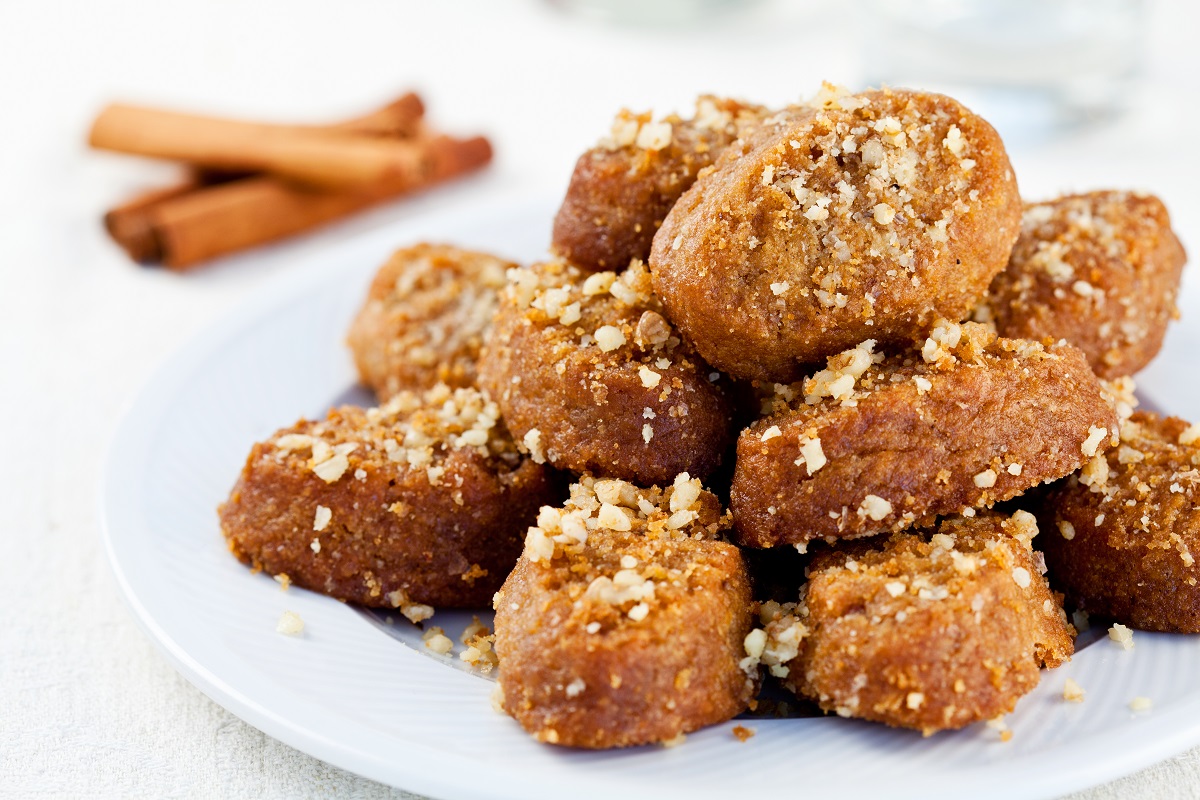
(87, 705)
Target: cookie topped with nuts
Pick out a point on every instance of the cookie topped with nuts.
(932, 629)
(424, 318)
(852, 217)
(873, 444)
(1122, 536)
(1100, 270)
(424, 500)
(623, 621)
(591, 377)
(623, 187)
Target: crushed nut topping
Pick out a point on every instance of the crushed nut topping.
(811, 455)
(778, 640)
(1095, 436)
(1122, 636)
(320, 521)
(290, 624)
(837, 380)
(874, 507)
(618, 505)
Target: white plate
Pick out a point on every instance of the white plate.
(355, 697)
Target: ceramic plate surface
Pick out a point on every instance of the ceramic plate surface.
(364, 695)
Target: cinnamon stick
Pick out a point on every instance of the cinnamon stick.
(184, 230)
(324, 158)
(131, 226)
(399, 119)
(130, 223)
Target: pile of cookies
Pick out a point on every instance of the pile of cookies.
(806, 395)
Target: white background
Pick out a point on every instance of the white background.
(87, 706)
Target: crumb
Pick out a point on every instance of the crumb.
(497, 699)
(1072, 691)
(1001, 727)
(1091, 444)
(290, 624)
(986, 479)
(474, 573)
(437, 641)
(609, 338)
(321, 519)
(1021, 577)
(875, 507)
(1122, 636)
(742, 733)
(1190, 435)
(416, 612)
(480, 652)
(1139, 704)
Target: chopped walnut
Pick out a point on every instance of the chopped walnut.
(1091, 444)
(874, 507)
(290, 624)
(321, 519)
(778, 640)
(1122, 636)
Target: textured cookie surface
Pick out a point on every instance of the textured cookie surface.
(623, 622)
(1100, 270)
(853, 217)
(590, 377)
(930, 630)
(873, 444)
(1123, 535)
(424, 500)
(424, 318)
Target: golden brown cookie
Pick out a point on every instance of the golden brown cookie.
(422, 501)
(1100, 270)
(875, 444)
(932, 629)
(424, 318)
(853, 217)
(622, 623)
(591, 377)
(622, 188)
(1122, 536)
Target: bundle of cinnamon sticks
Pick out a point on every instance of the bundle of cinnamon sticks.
(252, 183)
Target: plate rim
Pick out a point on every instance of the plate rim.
(1179, 726)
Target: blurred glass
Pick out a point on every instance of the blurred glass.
(1032, 67)
(650, 12)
